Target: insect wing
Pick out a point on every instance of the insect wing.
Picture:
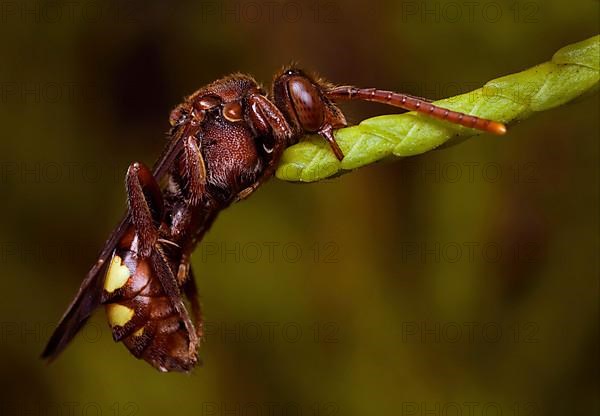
(88, 297)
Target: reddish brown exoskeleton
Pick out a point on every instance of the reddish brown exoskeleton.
(226, 140)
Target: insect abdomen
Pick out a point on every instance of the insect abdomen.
(142, 316)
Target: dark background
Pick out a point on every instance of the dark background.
(462, 280)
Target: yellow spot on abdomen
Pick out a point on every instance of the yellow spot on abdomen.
(117, 275)
(118, 315)
(139, 332)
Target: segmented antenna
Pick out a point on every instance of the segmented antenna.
(409, 102)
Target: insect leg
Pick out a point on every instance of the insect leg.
(194, 169)
(409, 102)
(267, 121)
(327, 133)
(146, 205)
(169, 283)
(191, 291)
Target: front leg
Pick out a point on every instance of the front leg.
(266, 120)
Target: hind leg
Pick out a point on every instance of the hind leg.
(146, 206)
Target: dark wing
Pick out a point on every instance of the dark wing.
(86, 300)
(90, 291)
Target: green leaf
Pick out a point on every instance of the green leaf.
(573, 71)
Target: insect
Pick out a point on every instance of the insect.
(225, 141)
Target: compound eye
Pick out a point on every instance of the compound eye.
(307, 103)
(233, 111)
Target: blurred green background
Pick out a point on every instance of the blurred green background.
(463, 280)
